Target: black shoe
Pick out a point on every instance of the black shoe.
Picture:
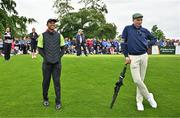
(58, 106)
(46, 103)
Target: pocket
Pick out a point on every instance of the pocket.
(134, 62)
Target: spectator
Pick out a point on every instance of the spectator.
(24, 45)
(33, 36)
(80, 40)
(8, 39)
(1, 46)
(108, 46)
(90, 45)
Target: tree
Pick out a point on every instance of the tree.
(107, 31)
(63, 7)
(158, 33)
(10, 18)
(19, 24)
(8, 6)
(95, 4)
(92, 21)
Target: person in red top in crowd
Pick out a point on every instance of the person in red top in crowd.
(89, 44)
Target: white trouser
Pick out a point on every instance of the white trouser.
(138, 70)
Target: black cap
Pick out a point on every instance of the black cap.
(52, 20)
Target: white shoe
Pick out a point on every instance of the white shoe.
(140, 107)
(152, 101)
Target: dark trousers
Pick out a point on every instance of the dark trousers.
(24, 48)
(33, 46)
(79, 51)
(7, 51)
(53, 70)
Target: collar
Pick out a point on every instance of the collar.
(136, 27)
(50, 32)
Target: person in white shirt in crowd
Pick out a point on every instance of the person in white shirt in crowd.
(8, 39)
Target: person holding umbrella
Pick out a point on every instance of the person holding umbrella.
(135, 50)
(51, 48)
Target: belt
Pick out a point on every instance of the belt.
(137, 53)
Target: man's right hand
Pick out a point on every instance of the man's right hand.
(127, 60)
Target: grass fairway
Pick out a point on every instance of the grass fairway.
(87, 87)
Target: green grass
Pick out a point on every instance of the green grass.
(87, 87)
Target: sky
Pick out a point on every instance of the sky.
(163, 13)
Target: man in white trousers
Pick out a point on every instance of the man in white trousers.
(136, 42)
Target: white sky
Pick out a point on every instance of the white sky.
(164, 13)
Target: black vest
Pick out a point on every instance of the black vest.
(51, 44)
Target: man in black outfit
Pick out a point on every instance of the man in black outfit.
(33, 36)
(81, 41)
(51, 48)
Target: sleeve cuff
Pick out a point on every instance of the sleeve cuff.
(126, 55)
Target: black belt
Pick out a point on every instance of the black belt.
(137, 53)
